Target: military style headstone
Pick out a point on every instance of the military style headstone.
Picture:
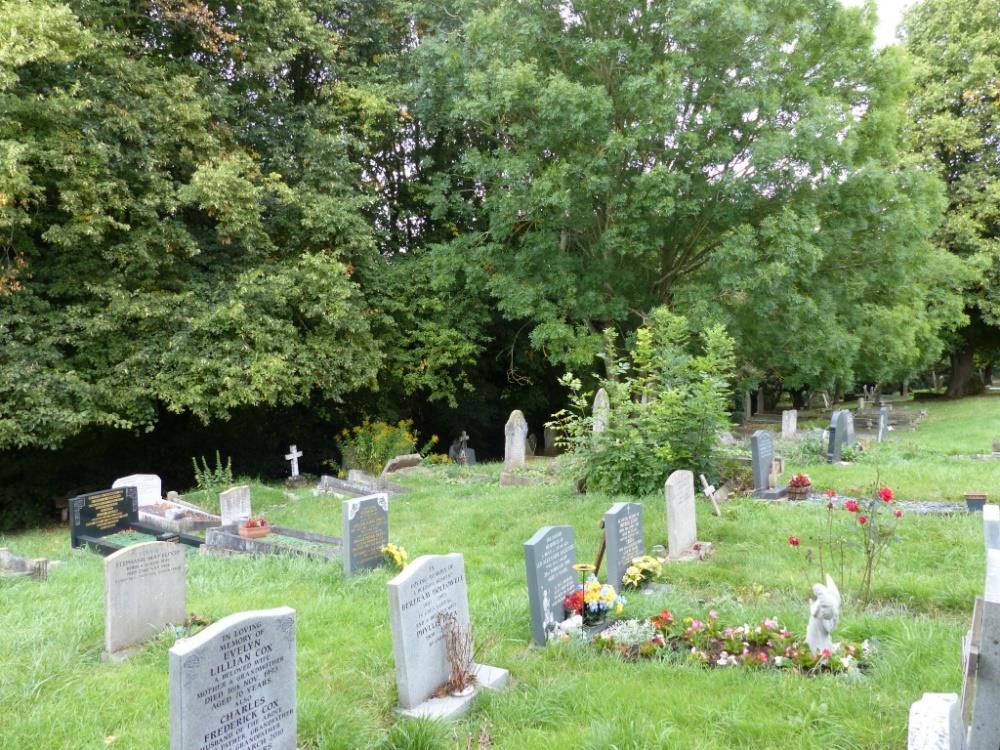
(682, 522)
(602, 410)
(515, 433)
(430, 585)
(293, 456)
(234, 505)
(98, 514)
(623, 538)
(149, 486)
(232, 686)
(549, 557)
(789, 423)
(144, 591)
(365, 532)
(883, 423)
(762, 457)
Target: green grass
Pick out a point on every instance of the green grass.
(931, 463)
(55, 691)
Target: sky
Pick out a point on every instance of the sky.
(890, 13)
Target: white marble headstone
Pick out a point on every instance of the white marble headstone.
(936, 723)
(149, 486)
(789, 422)
(602, 410)
(515, 433)
(429, 585)
(144, 591)
(232, 686)
(234, 505)
(682, 531)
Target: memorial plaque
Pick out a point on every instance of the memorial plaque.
(623, 538)
(429, 585)
(682, 521)
(234, 505)
(150, 487)
(232, 686)
(365, 532)
(549, 557)
(144, 591)
(98, 514)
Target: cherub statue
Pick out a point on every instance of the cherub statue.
(824, 612)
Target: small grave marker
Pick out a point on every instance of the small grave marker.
(293, 456)
(234, 505)
(623, 538)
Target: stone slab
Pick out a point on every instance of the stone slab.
(623, 539)
(936, 723)
(515, 434)
(776, 494)
(401, 462)
(549, 557)
(232, 686)
(228, 538)
(452, 707)
(365, 530)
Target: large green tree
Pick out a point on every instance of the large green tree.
(956, 126)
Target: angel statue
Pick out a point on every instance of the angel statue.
(824, 612)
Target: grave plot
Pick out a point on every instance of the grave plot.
(279, 541)
(170, 514)
(108, 521)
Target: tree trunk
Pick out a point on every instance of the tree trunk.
(961, 373)
(798, 398)
(988, 374)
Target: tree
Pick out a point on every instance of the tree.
(955, 106)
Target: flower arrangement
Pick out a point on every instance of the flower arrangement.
(641, 570)
(395, 556)
(593, 600)
(253, 527)
(800, 480)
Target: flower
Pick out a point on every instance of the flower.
(851, 506)
(830, 492)
(898, 513)
(885, 494)
(862, 520)
(825, 653)
(800, 480)
(794, 541)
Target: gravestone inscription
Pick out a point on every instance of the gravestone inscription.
(365, 524)
(232, 686)
(234, 505)
(623, 538)
(549, 557)
(98, 514)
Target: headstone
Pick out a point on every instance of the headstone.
(762, 461)
(144, 591)
(789, 423)
(682, 523)
(149, 486)
(936, 723)
(747, 406)
(293, 456)
(861, 404)
(549, 557)
(845, 426)
(460, 452)
(531, 445)
(232, 686)
(549, 438)
(401, 462)
(760, 402)
(833, 445)
(602, 410)
(365, 532)
(623, 539)
(515, 433)
(982, 698)
(883, 423)
(98, 514)
(996, 448)
(234, 505)
(991, 526)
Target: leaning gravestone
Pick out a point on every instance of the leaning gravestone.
(405, 461)
(682, 531)
(623, 538)
(148, 486)
(602, 410)
(549, 557)
(429, 586)
(789, 422)
(234, 505)
(762, 459)
(232, 686)
(144, 591)
(365, 524)
(515, 433)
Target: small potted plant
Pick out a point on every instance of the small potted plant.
(254, 528)
(799, 487)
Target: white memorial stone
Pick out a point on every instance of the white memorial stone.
(602, 410)
(682, 529)
(293, 456)
(144, 591)
(149, 486)
(936, 723)
(234, 505)
(789, 423)
(515, 433)
(232, 686)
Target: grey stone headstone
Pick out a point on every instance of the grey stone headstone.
(762, 454)
(789, 423)
(149, 487)
(991, 526)
(549, 557)
(531, 444)
(936, 723)
(234, 505)
(623, 539)
(144, 591)
(833, 445)
(883, 423)
(984, 727)
(515, 433)
(682, 522)
(429, 585)
(293, 456)
(602, 410)
(365, 524)
(549, 438)
(845, 427)
(232, 686)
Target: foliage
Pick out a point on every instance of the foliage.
(369, 445)
(669, 400)
(211, 480)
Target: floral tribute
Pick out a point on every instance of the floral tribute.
(255, 522)
(593, 599)
(641, 570)
(395, 556)
(767, 645)
(799, 481)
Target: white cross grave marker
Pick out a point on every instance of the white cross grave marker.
(294, 455)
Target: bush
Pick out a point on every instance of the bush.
(213, 480)
(669, 400)
(369, 445)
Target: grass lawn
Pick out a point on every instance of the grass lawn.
(931, 463)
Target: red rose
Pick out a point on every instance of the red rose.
(886, 494)
(862, 520)
(851, 505)
(794, 541)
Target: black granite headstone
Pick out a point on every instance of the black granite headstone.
(98, 514)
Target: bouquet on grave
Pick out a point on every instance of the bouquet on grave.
(641, 570)
(593, 600)
(800, 481)
(395, 556)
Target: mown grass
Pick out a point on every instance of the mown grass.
(56, 692)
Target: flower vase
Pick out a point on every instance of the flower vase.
(254, 532)
(799, 493)
(592, 618)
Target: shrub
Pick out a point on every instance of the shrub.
(369, 445)
(213, 480)
(669, 400)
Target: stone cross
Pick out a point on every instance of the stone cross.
(515, 433)
(602, 410)
(293, 456)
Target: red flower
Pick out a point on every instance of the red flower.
(573, 603)
(663, 619)
(862, 520)
(831, 492)
(851, 505)
(899, 513)
(886, 494)
(825, 653)
(794, 541)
